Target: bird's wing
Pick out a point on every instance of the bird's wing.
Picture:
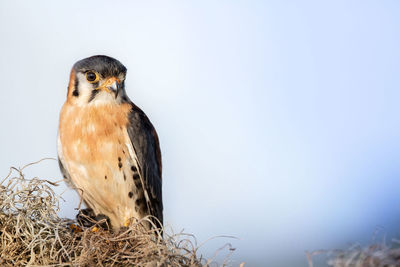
(147, 149)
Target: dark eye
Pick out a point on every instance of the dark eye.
(92, 77)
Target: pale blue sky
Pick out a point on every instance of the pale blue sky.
(278, 120)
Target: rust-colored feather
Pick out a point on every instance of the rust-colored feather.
(84, 130)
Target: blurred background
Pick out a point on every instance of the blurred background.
(278, 120)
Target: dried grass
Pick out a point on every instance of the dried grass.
(31, 233)
(376, 255)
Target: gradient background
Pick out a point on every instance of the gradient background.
(278, 120)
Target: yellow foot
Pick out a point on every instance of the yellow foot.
(95, 229)
(127, 222)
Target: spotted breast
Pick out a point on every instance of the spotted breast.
(101, 161)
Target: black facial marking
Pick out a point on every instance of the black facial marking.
(136, 176)
(133, 168)
(105, 177)
(119, 158)
(123, 151)
(130, 194)
(124, 177)
(120, 165)
(76, 86)
(124, 98)
(93, 94)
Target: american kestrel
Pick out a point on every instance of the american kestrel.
(107, 147)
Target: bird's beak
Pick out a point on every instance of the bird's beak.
(110, 85)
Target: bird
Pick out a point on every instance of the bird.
(108, 150)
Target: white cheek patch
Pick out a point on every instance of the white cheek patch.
(84, 89)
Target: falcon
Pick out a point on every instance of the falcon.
(108, 150)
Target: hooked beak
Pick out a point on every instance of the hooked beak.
(110, 85)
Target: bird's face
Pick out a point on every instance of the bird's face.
(97, 80)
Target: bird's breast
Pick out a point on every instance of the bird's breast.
(93, 133)
(97, 152)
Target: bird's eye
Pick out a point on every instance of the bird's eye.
(92, 77)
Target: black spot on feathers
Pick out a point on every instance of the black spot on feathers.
(136, 179)
(140, 202)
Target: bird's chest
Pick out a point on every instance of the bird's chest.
(94, 134)
(99, 157)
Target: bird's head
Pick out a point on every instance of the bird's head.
(97, 80)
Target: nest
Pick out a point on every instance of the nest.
(31, 233)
